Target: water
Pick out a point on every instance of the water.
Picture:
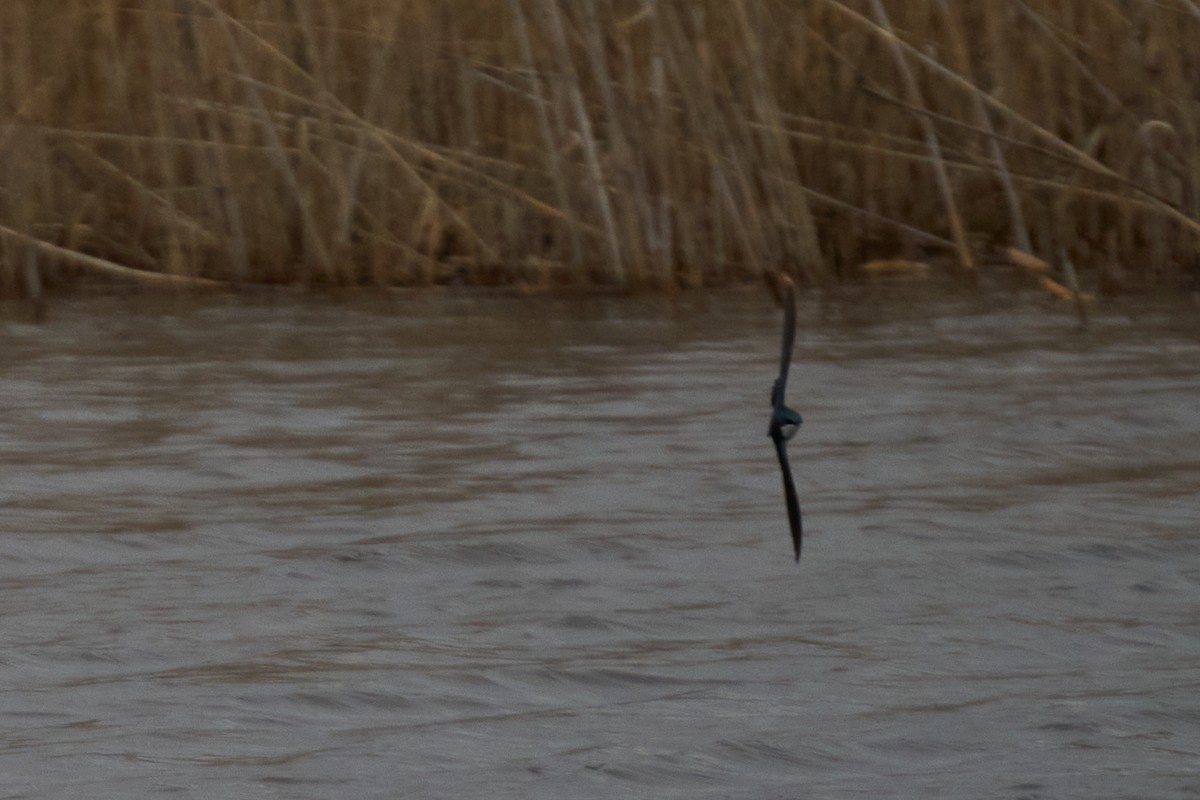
(458, 546)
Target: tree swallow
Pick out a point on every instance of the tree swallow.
(784, 421)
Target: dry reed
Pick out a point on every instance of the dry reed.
(620, 142)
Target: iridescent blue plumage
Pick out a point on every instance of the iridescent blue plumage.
(784, 421)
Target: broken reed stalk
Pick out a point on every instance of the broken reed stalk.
(283, 165)
(803, 251)
(1073, 285)
(96, 265)
(962, 59)
(942, 179)
(550, 150)
(569, 75)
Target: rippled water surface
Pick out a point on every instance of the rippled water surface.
(458, 546)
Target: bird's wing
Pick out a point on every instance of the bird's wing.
(789, 333)
(789, 492)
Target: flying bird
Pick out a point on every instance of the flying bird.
(784, 421)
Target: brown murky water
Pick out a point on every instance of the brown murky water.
(483, 547)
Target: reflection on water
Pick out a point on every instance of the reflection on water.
(453, 546)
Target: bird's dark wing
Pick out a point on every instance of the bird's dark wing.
(789, 492)
(789, 334)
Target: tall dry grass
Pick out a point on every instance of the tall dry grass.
(628, 142)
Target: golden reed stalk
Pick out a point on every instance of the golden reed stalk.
(630, 143)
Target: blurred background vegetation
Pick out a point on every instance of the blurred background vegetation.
(636, 143)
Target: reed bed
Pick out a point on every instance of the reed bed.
(633, 143)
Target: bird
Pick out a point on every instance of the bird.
(784, 421)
